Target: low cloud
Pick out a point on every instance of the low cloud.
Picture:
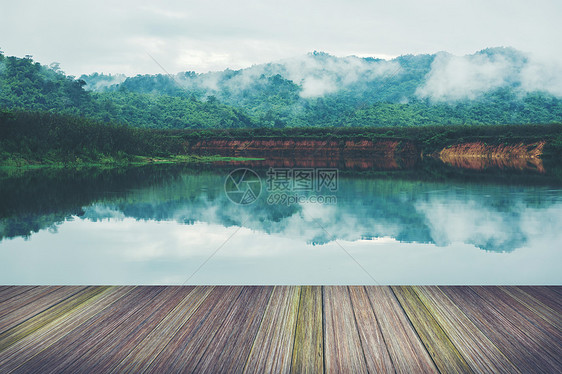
(314, 87)
(321, 74)
(317, 74)
(454, 78)
(450, 78)
(542, 75)
(104, 81)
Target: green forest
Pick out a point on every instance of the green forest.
(168, 102)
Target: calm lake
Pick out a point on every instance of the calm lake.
(178, 225)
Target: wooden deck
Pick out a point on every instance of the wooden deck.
(281, 329)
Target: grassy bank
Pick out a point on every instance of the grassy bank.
(31, 140)
(110, 162)
(36, 139)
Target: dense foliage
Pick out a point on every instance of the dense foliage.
(28, 137)
(25, 85)
(264, 97)
(49, 138)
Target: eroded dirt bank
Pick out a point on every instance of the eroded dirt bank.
(362, 154)
(238, 147)
(349, 154)
(479, 156)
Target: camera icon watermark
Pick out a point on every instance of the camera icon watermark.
(242, 186)
(284, 186)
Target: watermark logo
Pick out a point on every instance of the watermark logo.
(285, 186)
(284, 198)
(302, 179)
(242, 186)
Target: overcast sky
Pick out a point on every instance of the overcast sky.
(118, 36)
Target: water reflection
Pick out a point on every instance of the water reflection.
(502, 163)
(156, 225)
(360, 163)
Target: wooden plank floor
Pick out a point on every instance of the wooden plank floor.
(235, 329)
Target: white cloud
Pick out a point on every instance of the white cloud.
(314, 87)
(317, 74)
(542, 75)
(466, 222)
(324, 74)
(467, 77)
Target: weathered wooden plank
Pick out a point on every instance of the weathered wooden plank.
(20, 352)
(343, 352)
(191, 341)
(535, 311)
(10, 292)
(77, 343)
(510, 338)
(18, 299)
(230, 348)
(116, 345)
(478, 351)
(5, 289)
(518, 311)
(443, 352)
(55, 311)
(34, 301)
(541, 335)
(308, 347)
(140, 358)
(376, 354)
(271, 351)
(545, 295)
(406, 350)
(556, 289)
(155, 329)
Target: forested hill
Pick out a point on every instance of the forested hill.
(27, 85)
(493, 86)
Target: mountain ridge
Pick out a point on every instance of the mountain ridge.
(492, 86)
(316, 74)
